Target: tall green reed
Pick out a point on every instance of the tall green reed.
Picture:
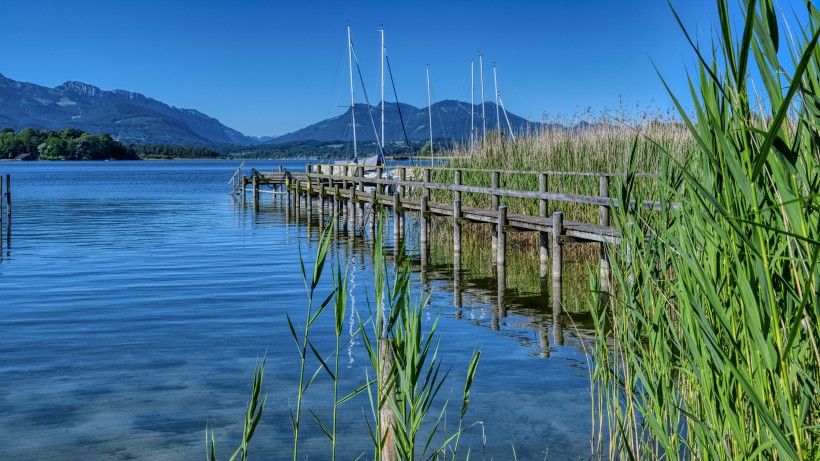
(714, 319)
(409, 389)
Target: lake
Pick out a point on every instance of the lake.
(137, 298)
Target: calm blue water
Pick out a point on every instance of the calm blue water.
(137, 297)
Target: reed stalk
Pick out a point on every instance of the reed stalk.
(713, 324)
(409, 389)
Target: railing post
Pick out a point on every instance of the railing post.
(603, 187)
(457, 193)
(402, 189)
(557, 261)
(543, 207)
(426, 181)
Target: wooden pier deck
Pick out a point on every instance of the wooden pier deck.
(346, 189)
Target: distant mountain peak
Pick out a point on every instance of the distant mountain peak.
(81, 88)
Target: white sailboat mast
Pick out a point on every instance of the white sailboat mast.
(352, 96)
(483, 115)
(472, 104)
(382, 31)
(430, 114)
(497, 114)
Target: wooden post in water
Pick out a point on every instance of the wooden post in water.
(373, 213)
(309, 201)
(494, 206)
(242, 191)
(322, 204)
(7, 196)
(396, 219)
(557, 253)
(351, 207)
(501, 259)
(255, 187)
(603, 186)
(360, 175)
(457, 228)
(543, 237)
(1, 212)
(297, 195)
(501, 272)
(424, 224)
(335, 204)
(387, 393)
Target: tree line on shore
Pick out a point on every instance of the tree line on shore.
(74, 144)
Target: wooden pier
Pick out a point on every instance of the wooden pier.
(346, 189)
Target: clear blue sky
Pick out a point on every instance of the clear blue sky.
(271, 67)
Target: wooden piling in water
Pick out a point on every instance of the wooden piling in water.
(396, 219)
(543, 237)
(322, 203)
(373, 213)
(255, 187)
(457, 228)
(557, 262)
(335, 204)
(501, 259)
(423, 223)
(387, 393)
(7, 196)
(494, 207)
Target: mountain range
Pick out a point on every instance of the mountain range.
(133, 118)
(451, 121)
(128, 117)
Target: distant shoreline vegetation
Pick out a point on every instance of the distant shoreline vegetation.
(74, 144)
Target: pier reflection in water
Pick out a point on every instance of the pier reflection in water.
(486, 297)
